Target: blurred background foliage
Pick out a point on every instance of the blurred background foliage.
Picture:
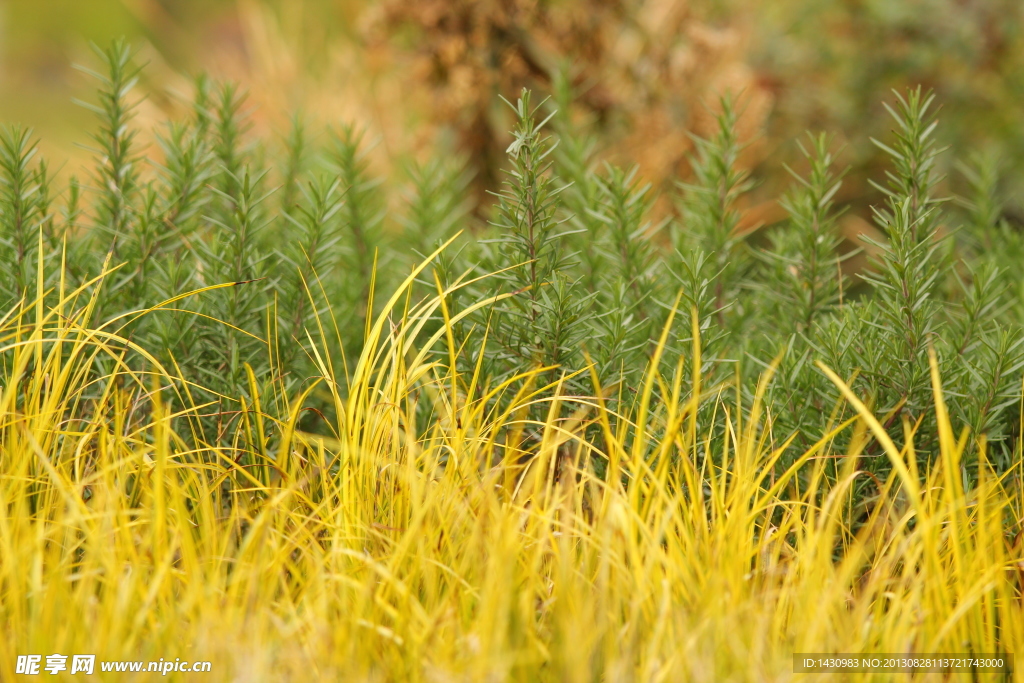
(423, 75)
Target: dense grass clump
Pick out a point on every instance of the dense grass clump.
(249, 416)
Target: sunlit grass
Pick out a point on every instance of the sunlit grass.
(391, 551)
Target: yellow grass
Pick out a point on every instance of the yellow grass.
(382, 553)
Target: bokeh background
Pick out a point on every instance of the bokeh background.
(424, 76)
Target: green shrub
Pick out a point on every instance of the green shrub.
(258, 258)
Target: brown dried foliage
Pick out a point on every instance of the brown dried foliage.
(647, 71)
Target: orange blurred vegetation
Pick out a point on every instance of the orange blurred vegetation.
(422, 74)
(425, 76)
